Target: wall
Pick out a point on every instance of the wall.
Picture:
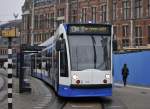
(138, 64)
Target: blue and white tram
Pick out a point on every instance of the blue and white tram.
(77, 60)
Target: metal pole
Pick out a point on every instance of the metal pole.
(32, 24)
(21, 72)
(131, 23)
(16, 15)
(9, 70)
(78, 12)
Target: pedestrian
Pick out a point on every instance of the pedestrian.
(125, 73)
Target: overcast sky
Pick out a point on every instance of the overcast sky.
(8, 7)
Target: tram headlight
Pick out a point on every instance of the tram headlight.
(107, 76)
(75, 77)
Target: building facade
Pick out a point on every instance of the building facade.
(130, 19)
(26, 22)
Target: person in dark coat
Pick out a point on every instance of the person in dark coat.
(125, 73)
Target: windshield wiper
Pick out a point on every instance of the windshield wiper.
(77, 57)
(95, 57)
(104, 46)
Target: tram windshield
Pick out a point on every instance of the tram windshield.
(90, 52)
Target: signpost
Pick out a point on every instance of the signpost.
(9, 34)
(9, 73)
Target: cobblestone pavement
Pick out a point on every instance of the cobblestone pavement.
(130, 97)
(39, 98)
(3, 89)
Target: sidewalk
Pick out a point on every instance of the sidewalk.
(1, 83)
(132, 86)
(39, 98)
(130, 97)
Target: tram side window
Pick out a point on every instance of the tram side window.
(49, 62)
(44, 60)
(39, 65)
(32, 63)
(63, 60)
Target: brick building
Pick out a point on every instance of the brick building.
(130, 18)
(26, 22)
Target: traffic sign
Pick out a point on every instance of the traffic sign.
(11, 32)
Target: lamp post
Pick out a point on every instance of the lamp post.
(32, 24)
(16, 16)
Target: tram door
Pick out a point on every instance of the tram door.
(55, 69)
(63, 61)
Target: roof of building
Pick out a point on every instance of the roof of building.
(10, 24)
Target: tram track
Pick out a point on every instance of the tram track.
(57, 102)
(73, 103)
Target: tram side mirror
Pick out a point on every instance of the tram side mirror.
(58, 45)
(115, 45)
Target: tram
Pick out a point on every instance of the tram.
(77, 60)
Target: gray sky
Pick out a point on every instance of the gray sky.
(8, 7)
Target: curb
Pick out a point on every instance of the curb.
(1, 83)
(132, 86)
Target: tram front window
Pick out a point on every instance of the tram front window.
(90, 52)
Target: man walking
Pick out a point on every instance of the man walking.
(125, 73)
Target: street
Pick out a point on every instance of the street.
(43, 97)
(74, 54)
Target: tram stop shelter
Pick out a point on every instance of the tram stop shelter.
(24, 66)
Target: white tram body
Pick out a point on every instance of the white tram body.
(77, 60)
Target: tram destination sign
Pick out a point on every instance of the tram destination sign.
(89, 29)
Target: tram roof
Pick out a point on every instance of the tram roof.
(47, 42)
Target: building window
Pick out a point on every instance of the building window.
(103, 13)
(138, 36)
(74, 16)
(47, 20)
(115, 32)
(74, 19)
(61, 1)
(36, 21)
(60, 12)
(52, 20)
(94, 14)
(84, 15)
(149, 34)
(126, 9)
(148, 7)
(125, 36)
(138, 8)
(114, 10)
(41, 21)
